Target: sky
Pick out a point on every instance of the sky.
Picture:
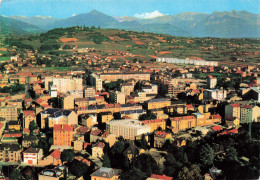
(119, 8)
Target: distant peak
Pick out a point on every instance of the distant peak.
(94, 11)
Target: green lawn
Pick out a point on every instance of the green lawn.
(57, 68)
(4, 58)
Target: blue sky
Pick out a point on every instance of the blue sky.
(67, 8)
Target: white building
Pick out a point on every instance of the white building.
(216, 94)
(96, 81)
(54, 92)
(128, 129)
(211, 82)
(187, 61)
(32, 155)
(67, 83)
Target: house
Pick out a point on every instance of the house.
(97, 149)
(29, 140)
(160, 137)
(52, 159)
(106, 136)
(14, 125)
(10, 152)
(52, 174)
(28, 116)
(159, 177)
(32, 155)
(104, 173)
(232, 121)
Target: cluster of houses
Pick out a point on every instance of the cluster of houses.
(79, 113)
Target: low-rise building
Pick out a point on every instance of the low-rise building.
(106, 136)
(105, 173)
(10, 152)
(155, 124)
(160, 137)
(32, 156)
(97, 150)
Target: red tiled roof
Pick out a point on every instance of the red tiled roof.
(55, 154)
(248, 106)
(161, 177)
(181, 118)
(235, 105)
(153, 121)
(215, 116)
(62, 127)
(86, 145)
(216, 128)
(99, 144)
(189, 106)
(96, 132)
(161, 133)
(27, 113)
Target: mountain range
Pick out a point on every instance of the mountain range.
(233, 24)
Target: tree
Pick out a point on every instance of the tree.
(171, 165)
(78, 168)
(193, 173)
(32, 127)
(148, 116)
(134, 173)
(106, 161)
(15, 174)
(67, 155)
(206, 155)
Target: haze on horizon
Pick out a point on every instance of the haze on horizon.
(119, 8)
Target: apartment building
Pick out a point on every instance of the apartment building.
(183, 122)
(28, 116)
(249, 113)
(232, 110)
(90, 92)
(68, 102)
(62, 135)
(160, 137)
(211, 82)
(155, 124)
(127, 88)
(10, 152)
(158, 103)
(67, 83)
(9, 113)
(216, 94)
(128, 129)
(125, 76)
(62, 117)
(106, 136)
(96, 81)
(117, 97)
(97, 150)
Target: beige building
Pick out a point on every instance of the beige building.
(62, 117)
(249, 113)
(9, 113)
(128, 129)
(97, 150)
(127, 88)
(67, 83)
(28, 116)
(158, 103)
(211, 82)
(125, 76)
(117, 97)
(232, 110)
(106, 136)
(68, 102)
(96, 81)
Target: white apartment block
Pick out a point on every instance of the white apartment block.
(216, 94)
(187, 61)
(96, 81)
(65, 84)
(128, 129)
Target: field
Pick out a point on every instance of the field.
(145, 46)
